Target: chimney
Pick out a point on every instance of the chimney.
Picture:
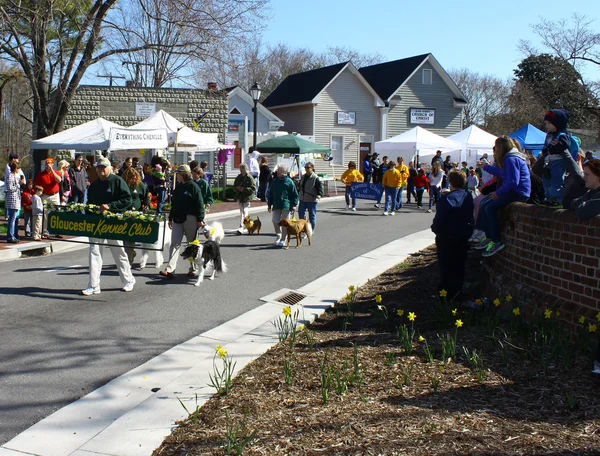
(212, 87)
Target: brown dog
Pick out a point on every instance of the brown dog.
(252, 225)
(296, 228)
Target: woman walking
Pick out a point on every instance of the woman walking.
(244, 187)
(311, 191)
(282, 200)
(13, 202)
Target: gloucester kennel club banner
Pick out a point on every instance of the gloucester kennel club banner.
(120, 228)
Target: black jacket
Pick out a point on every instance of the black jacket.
(454, 216)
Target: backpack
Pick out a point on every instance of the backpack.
(574, 142)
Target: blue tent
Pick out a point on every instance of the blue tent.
(530, 138)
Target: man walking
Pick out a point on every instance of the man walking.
(79, 180)
(110, 193)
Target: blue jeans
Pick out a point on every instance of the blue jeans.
(399, 198)
(434, 195)
(419, 196)
(348, 194)
(487, 220)
(312, 212)
(161, 194)
(390, 198)
(410, 190)
(77, 196)
(554, 182)
(12, 234)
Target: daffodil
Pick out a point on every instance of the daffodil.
(454, 311)
(592, 327)
(517, 311)
(508, 298)
(378, 298)
(557, 313)
(598, 316)
(443, 293)
(496, 302)
(412, 316)
(287, 311)
(351, 288)
(458, 323)
(547, 313)
(479, 302)
(421, 339)
(400, 312)
(222, 353)
(301, 327)
(581, 320)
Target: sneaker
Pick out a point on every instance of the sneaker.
(428, 211)
(168, 275)
(90, 291)
(385, 213)
(393, 213)
(477, 237)
(347, 207)
(277, 241)
(280, 244)
(420, 207)
(596, 368)
(128, 286)
(493, 248)
(354, 209)
(377, 205)
(483, 244)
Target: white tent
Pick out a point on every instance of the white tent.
(185, 135)
(417, 141)
(475, 143)
(93, 135)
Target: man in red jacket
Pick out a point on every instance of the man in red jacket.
(49, 180)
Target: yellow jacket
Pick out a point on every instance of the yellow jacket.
(404, 175)
(351, 175)
(392, 178)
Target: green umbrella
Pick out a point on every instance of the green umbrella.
(291, 144)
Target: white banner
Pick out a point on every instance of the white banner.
(145, 109)
(422, 116)
(125, 138)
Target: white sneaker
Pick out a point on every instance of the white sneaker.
(128, 286)
(280, 244)
(377, 206)
(347, 207)
(385, 213)
(428, 211)
(354, 209)
(90, 291)
(277, 241)
(392, 213)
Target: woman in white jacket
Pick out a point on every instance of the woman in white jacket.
(435, 183)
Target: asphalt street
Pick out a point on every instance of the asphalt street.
(56, 345)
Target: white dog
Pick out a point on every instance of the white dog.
(202, 254)
(213, 232)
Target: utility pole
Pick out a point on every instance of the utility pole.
(110, 77)
(136, 82)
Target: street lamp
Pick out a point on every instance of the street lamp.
(255, 92)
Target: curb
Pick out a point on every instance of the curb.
(15, 252)
(133, 413)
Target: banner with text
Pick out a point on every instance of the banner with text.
(360, 190)
(125, 138)
(98, 226)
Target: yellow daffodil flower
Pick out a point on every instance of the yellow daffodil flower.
(592, 327)
(557, 313)
(517, 311)
(454, 311)
(378, 298)
(479, 302)
(301, 327)
(222, 353)
(581, 319)
(508, 298)
(458, 323)
(598, 316)
(421, 339)
(443, 293)
(547, 313)
(412, 316)
(400, 312)
(496, 302)
(287, 311)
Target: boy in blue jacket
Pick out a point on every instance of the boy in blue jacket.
(453, 226)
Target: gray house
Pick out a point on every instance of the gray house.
(349, 109)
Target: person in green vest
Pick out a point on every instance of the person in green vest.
(110, 193)
(282, 200)
(198, 177)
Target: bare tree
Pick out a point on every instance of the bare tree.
(487, 95)
(336, 54)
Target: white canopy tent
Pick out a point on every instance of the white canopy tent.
(475, 143)
(93, 135)
(417, 141)
(185, 135)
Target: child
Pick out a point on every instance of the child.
(420, 182)
(159, 187)
(349, 176)
(472, 183)
(383, 167)
(513, 171)
(37, 213)
(453, 225)
(26, 203)
(391, 182)
(557, 141)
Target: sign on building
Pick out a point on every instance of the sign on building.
(422, 116)
(346, 117)
(145, 109)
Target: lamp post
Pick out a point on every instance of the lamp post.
(255, 91)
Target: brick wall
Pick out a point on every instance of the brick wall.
(551, 259)
(117, 104)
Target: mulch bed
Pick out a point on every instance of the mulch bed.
(399, 403)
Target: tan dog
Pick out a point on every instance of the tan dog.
(296, 228)
(252, 225)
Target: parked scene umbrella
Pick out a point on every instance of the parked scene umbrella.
(291, 144)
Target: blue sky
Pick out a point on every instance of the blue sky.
(479, 35)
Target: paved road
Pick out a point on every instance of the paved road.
(56, 346)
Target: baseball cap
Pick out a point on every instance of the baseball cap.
(184, 169)
(50, 160)
(13, 156)
(103, 162)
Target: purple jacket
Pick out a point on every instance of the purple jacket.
(514, 174)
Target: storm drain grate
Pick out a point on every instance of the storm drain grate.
(290, 298)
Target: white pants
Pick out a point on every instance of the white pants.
(158, 254)
(244, 211)
(279, 214)
(189, 228)
(118, 253)
(53, 199)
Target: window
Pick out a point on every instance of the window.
(427, 76)
(337, 150)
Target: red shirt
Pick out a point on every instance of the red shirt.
(47, 182)
(420, 181)
(26, 200)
